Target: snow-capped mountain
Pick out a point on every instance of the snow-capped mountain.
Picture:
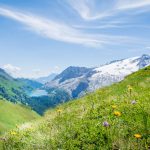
(77, 80)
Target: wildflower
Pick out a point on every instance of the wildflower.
(137, 136)
(117, 113)
(133, 102)
(114, 106)
(17, 126)
(130, 88)
(13, 133)
(105, 124)
(59, 110)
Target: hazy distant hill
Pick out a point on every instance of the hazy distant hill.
(46, 79)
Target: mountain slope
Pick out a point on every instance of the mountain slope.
(10, 88)
(19, 91)
(76, 80)
(72, 72)
(55, 97)
(15, 90)
(114, 117)
(14, 114)
(29, 85)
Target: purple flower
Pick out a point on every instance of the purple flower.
(133, 102)
(105, 124)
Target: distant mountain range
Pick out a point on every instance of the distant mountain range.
(78, 80)
(73, 82)
(46, 79)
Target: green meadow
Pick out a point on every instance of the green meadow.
(14, 114)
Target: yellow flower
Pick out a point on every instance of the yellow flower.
(138, 136)
(13, 132)
(59, 110)
(117, 113)
(114, 106)
(130, 88)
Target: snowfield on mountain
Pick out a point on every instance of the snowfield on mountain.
(91, 79)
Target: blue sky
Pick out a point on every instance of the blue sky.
(38, 37)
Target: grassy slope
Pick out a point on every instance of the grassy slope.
(79, 124)
(13, 114)
(16, 90)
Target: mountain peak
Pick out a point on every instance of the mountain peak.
(144, 61)
(145, 55)
(70, 68)
(72, 72)
(90, 79)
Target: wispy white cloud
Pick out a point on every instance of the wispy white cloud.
(86, 9)
(62, 32)
(148, 47)
(51, 29)
(56, 69)
(131, 4)
(94, 9)
(109, 26)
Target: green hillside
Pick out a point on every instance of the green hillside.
(15, 90)
(115, 117)
(14, 114)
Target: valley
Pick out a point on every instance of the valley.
(38, 93)
(51, 107)
(103, 119)
(72, 83)
(74, 75)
